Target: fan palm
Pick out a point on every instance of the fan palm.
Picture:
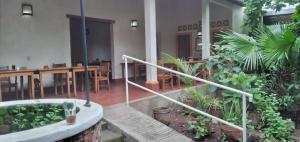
(184, 66)
(267, 47)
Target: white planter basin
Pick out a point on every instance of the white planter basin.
(86, 118)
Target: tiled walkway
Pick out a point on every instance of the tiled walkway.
(105, 97)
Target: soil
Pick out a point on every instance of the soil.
(179, 122)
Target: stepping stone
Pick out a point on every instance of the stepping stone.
(141, 127)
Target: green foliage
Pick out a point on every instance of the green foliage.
(232, 108)
(296, 21)
(254, 10)
(199, 126)
(184, 66)
(205, 102)
(267, 48)
(23, 117)
(274, 126)
(222, 63)
(240, 81)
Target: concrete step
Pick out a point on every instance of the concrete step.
(110, 136)
(138, 127)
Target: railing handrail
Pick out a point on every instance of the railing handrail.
(244, 94)
(195, 78)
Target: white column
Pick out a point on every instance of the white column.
(150, 35)
(237, 18)
(205, 29)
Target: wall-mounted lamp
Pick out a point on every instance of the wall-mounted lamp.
(199, 34)
(134, 24)
(27, 9)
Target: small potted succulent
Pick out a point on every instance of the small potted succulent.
(70, 112)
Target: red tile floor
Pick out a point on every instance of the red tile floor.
(105, 97)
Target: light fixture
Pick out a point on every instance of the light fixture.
(27, 9)
(199, 34)
(134, 24)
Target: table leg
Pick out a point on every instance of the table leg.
(68, 85)
(122, 66)
(82, 81)
(96, 82)
(22, 86)
(42, 85)
(134, 71)
(0, 93)
(32, 85)
(74, 83)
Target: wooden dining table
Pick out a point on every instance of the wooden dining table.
(75, 70)
(57, 70)
(20, 73)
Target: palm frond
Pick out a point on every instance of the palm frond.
(246, 48)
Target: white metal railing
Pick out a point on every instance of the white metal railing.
(244, 94)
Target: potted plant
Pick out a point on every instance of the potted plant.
(162, 114)
(70, 112)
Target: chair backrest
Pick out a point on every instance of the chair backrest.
(59, 65)
(59, 77)
(5, 79)
(167, 65)
(104, 69)
(4, 68)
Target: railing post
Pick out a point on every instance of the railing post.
(126, 81)
(244, 119)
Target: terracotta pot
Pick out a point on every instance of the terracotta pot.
(231, 132)
(162, 114)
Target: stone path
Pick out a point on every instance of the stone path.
(140, 126)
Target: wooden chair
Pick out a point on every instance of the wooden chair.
(163, 77)
(203, 72)
(60, 79)
(6, 82)
(103, 75)
(176, 68)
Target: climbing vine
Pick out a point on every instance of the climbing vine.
(255, 10)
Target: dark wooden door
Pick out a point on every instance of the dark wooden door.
(184, 45)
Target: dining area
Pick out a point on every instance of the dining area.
(166, 80)
(16, 82)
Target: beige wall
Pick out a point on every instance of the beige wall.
(44, 38)
(173, 13)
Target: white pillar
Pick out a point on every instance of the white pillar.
(237, 18)
(205, 29)
(150, 35)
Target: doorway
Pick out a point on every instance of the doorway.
(184, 45)
(99, 40)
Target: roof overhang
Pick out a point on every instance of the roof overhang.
(237, 2)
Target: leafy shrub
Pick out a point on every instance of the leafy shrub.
(23, 117)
